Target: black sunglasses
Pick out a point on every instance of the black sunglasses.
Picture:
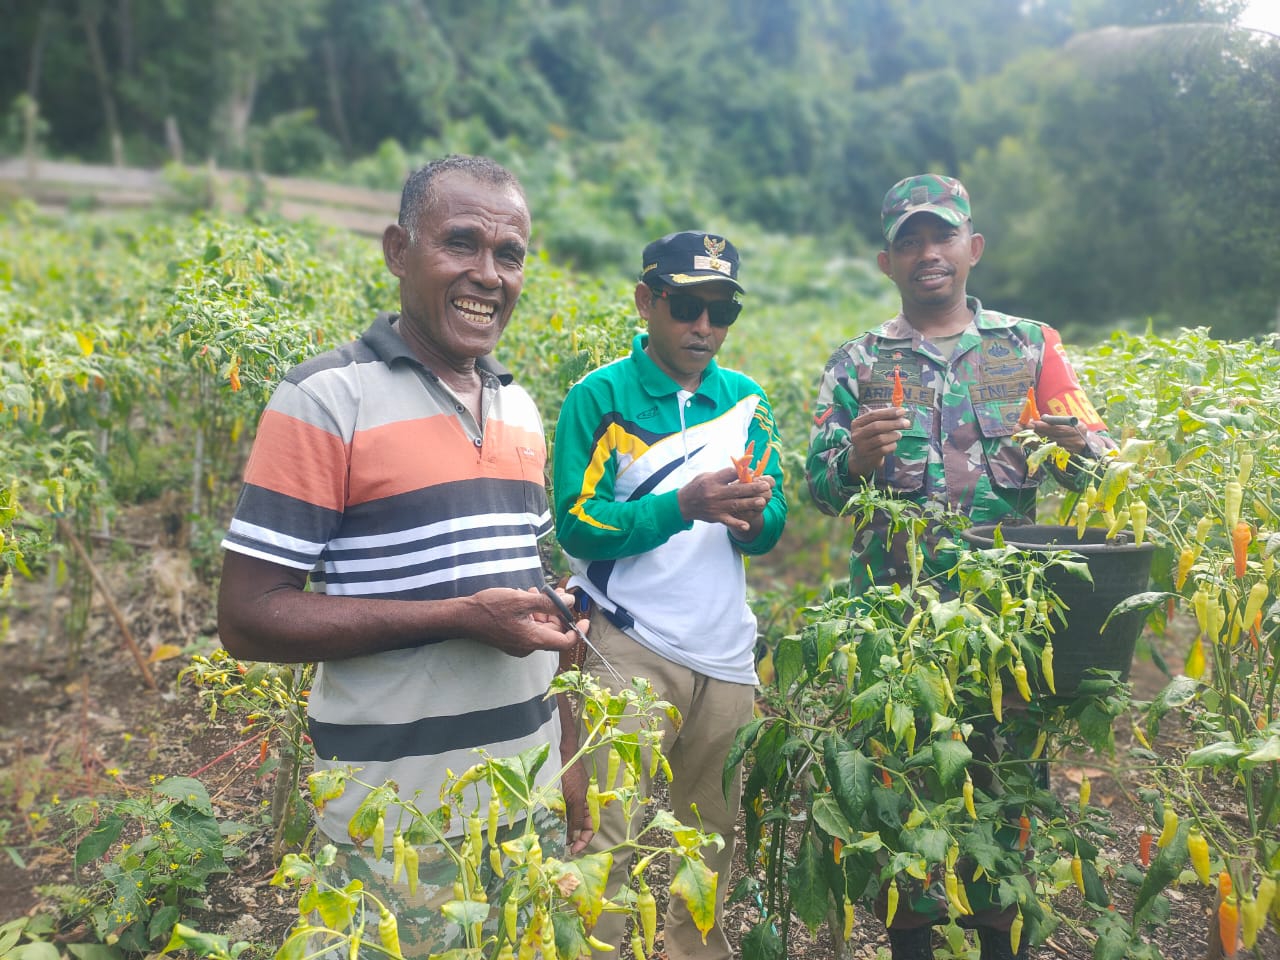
(687, 308)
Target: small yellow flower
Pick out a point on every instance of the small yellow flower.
(55, 800)
(113, 772)
(128, 737)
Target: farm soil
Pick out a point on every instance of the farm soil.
(80, 722)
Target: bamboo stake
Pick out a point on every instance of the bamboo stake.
(64, 528)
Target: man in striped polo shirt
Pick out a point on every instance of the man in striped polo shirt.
(657, 521)
(407, 467)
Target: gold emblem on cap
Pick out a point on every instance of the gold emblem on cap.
(714, 247)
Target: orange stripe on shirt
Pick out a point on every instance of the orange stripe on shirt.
(308, 445)
(411, 455)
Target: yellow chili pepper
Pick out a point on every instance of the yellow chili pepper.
(1253, 605)
(397, 856)
(495, 808)
(510, 917)
(647, 906)
(952, 884)
(997, 693)
(1046, 665)
(1020, 679)
(1194, 667)
(593, 804)
(848, 919)
(1086, 788)
(1169, 829)
(1077, 872)
(411, 867)
(1249, 922)
(892, 907)
(1203, 526)
(1120, 521)
(1082, 519)
(379, 837)
(1015, 932)
(1232, 498)
(637, 946)
(1041, 739)
(1186, 558)
(1266, 894)
(1138, 517)
(969, 808)
(388, 932)
(1198, 848)
(1246, 467)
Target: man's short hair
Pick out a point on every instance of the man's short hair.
(419, 189)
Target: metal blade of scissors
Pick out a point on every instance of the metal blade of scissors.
(565, 612)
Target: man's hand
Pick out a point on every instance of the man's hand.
(1071, 439)
(573, 784)
(874, 435)
(518, 622)
(719, 497)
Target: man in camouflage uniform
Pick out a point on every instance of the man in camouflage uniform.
(964, 372)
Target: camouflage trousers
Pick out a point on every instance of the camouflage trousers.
(424, 930)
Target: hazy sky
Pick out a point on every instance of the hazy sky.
(1263, 15)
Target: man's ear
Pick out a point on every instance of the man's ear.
(882, 258)
(977, 243)
(644, 300)
(395, 242)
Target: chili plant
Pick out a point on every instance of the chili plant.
(901, 756)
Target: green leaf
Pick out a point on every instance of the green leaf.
(1151, 600)
(99, 951)
(828, 815)
(40, 950)
(188, 790)
(1267, 753)
(788, 661)
(465, 912)
(1177, 693)
(762, 943)
(929, 843)
(742, 742)
(1162, 872)
(808, 885)
(695, 883)
(950, 757)
(99, 841)
(849, 773)
(1215, 755)
(592, 872)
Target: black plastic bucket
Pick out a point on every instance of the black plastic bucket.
(1120, 569)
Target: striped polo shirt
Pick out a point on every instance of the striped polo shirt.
(369, 472)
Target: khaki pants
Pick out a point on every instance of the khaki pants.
(712, 711)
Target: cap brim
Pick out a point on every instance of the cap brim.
(948, 214)
(695, 278)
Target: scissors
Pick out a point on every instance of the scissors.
(565, 612)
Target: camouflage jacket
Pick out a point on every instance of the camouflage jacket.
(959, 451)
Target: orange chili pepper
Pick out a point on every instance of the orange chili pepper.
(1241, 534)
(742, 464)
(262, 750)
(1228, 924)
(1144, 848)
(836, 845)
(234, 375)
(758, 472)
(1024, 832)
(899, 395)
(1029, 409)
(885, 778)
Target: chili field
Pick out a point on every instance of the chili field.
(156, 789)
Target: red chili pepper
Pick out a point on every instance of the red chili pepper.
(1241, 534)
(885, 778)
(1029, 409)
(262, 750)
(899, 395)
(1144, 848)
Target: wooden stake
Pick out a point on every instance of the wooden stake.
(69, 535)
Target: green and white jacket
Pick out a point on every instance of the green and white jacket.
(627, 440)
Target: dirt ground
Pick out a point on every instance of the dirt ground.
(82, 723)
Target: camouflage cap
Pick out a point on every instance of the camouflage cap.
(924, 193)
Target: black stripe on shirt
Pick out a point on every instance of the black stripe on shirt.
(430, 736)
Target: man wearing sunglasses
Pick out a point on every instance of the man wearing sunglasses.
(657, 519)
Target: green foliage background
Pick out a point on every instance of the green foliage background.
(1120, 153)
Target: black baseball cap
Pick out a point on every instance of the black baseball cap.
(688, 258)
